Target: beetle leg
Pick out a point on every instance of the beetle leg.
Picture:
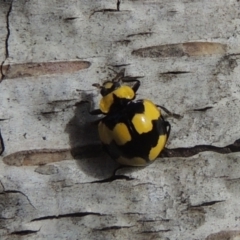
(177, 116)
(167, 124)
(96, 122)
(119, 76)
(95, 112)
(133, 79)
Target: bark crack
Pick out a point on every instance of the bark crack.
(140, 34)
(118, 4)
(113, 178)
(24, 232)
(175, 72)
(15, 191)
(190, 151)
(68, 215)
(202, 109)
(154, 220)
(2, 146)
(205, 204)
(113, 228)
(6, 40)
(158, 231)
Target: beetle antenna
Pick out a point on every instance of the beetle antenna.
(119, 76)
(97, 85)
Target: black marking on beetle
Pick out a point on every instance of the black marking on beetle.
(134, 147)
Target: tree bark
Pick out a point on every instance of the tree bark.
(55, 180)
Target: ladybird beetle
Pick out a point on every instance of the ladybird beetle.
(132, 132)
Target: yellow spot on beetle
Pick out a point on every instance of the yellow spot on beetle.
(107, 85)
(143, 121)
(123, 92)
(158, 148)
(136, 161)
(121, 134)
(105, 133)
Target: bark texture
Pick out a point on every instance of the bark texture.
(55, 181)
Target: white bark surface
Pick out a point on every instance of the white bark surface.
(55, 181)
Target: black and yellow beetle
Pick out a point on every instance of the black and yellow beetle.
(132, 132)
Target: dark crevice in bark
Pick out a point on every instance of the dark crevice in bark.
(154, 220)
(133, 213)
(231, 179)
(70, 18)
(175, 72)
(68, 215)
(158, 231)
(24, 232)
(202, 109)
(205, 204)
(118, 4)
(65, 100)
(104, 11)
(120, 65)
(2, 187)
(113, 178)
(190, 151)
(140, 34)
(51, 112)
(113, 228)
(2, 146)
(4, 119)
(6, 218)
(6, 40)
(124, 41)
